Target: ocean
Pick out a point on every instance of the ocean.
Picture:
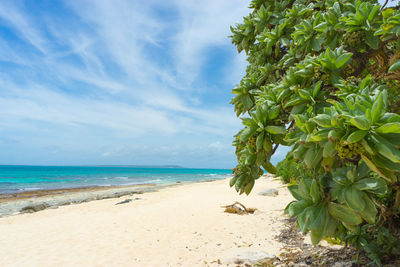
(14, 179)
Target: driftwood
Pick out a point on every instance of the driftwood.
(238, 208)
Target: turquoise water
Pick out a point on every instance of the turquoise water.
(22, 178)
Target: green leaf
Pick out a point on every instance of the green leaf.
(342, 59)
(390, 117)
(267, 145)
(354, 198)
(370, 211)
(383, 162)
(315, 191)
(395, 66)
(356, 136)
(344, 214)
(372, 40)
(393, 127)
(297, 110)
(327, 163)
(392, 138)
(386, 148)
(319, 224)
(331, 226)
(246, 133)
(294, 190)
(316, 88)
(350, 227)
(273, 112)
(269, 167)
(387, 12)
(313, 156)
(316, 235)
(374, 168)
(361, 122)
(369, 184)
(334, 135)
(305, 94)
(299, 152)
(329, 149)
(248, 103)
(301, 220)
(298, 207)
(260, 140)
(377, 108)
(241, 179)
(304, 190)
(232, 181)
(318, 136)
(275, 129)
(248, 187)
(316, 44)
(367, 147)
(323, 120)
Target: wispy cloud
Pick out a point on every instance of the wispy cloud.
(22, 25)
(127, 71)
(204, 27)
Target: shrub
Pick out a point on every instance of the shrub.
(324, 78)
(291, 171)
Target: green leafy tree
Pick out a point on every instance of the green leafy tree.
(324, 79)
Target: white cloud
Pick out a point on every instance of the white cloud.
(22, 24)
(121, 72)
(204, 26)
(237, 69)
(125, 28)
(216, 145)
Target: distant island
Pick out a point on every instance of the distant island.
(122, 166)
(141, 166)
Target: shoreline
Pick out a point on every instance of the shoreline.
(37, 200)
(59, 191)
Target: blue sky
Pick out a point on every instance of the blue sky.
(118, 82)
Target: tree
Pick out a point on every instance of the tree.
(324, 78)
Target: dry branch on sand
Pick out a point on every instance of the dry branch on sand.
(238, 208)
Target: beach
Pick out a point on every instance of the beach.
(182, 225)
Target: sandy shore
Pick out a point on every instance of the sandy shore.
(177, 226)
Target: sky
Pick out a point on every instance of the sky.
(94, 82)
(118, 82)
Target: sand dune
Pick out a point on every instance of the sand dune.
(177, 226)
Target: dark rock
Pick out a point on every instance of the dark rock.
(124, 202)
(308, 260)
(34, 208)
(237, 261)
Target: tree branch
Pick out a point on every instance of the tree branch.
(274, 149)
(291, 125)
(277, 145)
(383, 6)
(397, 201)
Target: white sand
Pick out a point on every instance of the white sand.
(177, 226)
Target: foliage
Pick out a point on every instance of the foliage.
(291, 171)
(324, 78)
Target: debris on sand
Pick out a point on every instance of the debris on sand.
(238, 208)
